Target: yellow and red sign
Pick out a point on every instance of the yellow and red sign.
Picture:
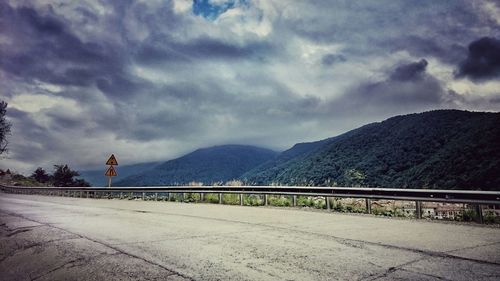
(112, 161)
(111, 172)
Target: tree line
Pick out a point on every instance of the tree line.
(62, 176)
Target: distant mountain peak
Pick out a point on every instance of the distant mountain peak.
(208, 165)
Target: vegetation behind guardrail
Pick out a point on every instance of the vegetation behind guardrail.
(480, 206)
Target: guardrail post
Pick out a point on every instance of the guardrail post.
(327, 201)
(143, 196)
(156, 196)
(220, 198)
(183, 196)
(241, 199)
(479, 211)
(202, 197)
(170, 196)
(131, 195)
(265, 199)
(418, 209)
(368, 204)
(294, 201)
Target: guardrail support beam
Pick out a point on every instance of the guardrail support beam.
(265, 199)
(327, 201)
(220, 198)
(418, 209)
(368, 205)
(241, 199)
(294, 200)
(479, 212)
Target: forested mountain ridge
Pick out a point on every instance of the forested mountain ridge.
(447, 149)
(206, 165)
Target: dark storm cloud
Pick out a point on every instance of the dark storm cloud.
(151, 55)
(16, 114)
(408, 87)
(203, 48)
(331, 59)
(439, 29)
(483, 60)
(61, 121)
(412, 71)
(134, 75)
(45, 49)
(211, 48)
(34, 146)
(448, 52)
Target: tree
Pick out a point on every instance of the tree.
(4, 127)
(40, 175)
(63, 176)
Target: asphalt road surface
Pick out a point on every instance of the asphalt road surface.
(55, 238)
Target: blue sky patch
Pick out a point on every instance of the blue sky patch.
(211, 11)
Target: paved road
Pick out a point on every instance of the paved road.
(54, 238)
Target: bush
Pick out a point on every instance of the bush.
(490, 217)
(280, 201)
(232, 199)
(304, 201)
(468, 215)
(212, 197)
(253, 200)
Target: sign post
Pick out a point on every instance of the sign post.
(111, 172)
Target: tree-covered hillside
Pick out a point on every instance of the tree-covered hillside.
(447, 149)
(207, 165)
(271, 168)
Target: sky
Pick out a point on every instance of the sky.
(153, 80)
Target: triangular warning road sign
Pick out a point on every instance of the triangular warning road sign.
(112, 160)
(111, 172)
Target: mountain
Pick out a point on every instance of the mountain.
(97, 178)
(271, 168)
(448, 149)
(207, 165)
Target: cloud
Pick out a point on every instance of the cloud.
(151, 80)
(407, 88)
(483, 60)
(412, 71)
(331, 59)
(43, 48)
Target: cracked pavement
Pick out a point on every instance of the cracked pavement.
(60, 238)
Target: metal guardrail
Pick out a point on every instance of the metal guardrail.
(476, 198)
